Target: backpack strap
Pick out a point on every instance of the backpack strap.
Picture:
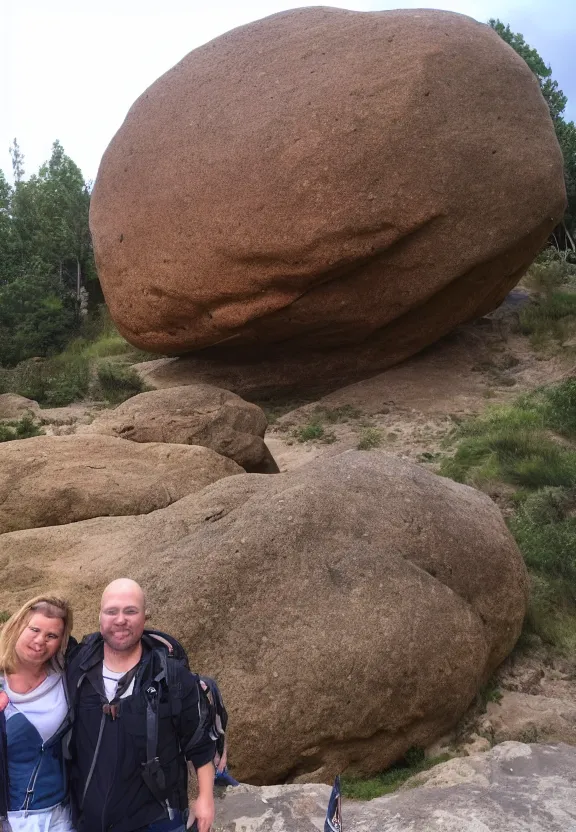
(3, 770)
(152, 772)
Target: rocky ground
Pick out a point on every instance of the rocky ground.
(513, 788)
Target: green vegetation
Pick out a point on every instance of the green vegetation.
(4, 616)
(367, 788)
(23, 428)
(531, 446)
(313, 430)
(369, 438)
(46, 259)
(119, 382)
(83, 369)
(556, 100)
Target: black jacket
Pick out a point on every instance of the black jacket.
(117, 799)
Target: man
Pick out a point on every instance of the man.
(139, 721)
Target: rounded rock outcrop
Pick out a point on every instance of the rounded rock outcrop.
(325, 177)
(55, 480)
(194, 414)
(350, 609)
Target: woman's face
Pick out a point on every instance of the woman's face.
(40, 640)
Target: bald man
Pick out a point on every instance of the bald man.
(134, 734)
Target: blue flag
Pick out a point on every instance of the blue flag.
(333, 822)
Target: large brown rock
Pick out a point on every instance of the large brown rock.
(196, 414)
(13, 406)
(350, 609)
(52, 480)
(322, 177)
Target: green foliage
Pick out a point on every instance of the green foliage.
(552, 316)
(45, 256)
(556, 100)
(52, 382)
(23, 428)
(313, 430)
(119, 382)
(36, 318)
(529, 446)
(367, 788)
(370, 438)
(490, 693)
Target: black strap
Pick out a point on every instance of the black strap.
(3, 768)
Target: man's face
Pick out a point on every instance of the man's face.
(122, 619)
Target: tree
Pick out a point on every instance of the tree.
(556, 100)
(17, 161)
(45, 255)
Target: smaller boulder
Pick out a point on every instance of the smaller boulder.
(53, 480)
(13, 406)
(195, 414)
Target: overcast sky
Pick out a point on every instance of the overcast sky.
(70, 69)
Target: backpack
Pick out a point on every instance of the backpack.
(215, 716)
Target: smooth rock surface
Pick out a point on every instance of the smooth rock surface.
(350, 609)
(55, 480)
(512, 788)
(197, 414)
(325, 177)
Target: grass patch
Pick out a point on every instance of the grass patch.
(550, 317)
(367, 788)
(119, 382)
(22, 428)
(4, 616)
(314, 430)
(369, 438)
(529, 445)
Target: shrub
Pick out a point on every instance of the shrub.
(313, 430)
(119, 382)
(369, 439)
(23, 428)
(551, 316)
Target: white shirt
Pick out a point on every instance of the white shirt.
(45, 706)
(111, 679)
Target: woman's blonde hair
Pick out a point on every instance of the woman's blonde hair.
(47, 605)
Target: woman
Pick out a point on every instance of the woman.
(34, 717)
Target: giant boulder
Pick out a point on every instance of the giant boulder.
(53, 480)
(322, 178)
(350, 609)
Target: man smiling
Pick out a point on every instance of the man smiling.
(138, 723)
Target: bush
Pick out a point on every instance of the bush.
(23, 428)
(551, 316)
(550, 270)
(119, 382)
(54, 381)
(313, 430)
(369, 439)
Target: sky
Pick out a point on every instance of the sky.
(70, 69)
